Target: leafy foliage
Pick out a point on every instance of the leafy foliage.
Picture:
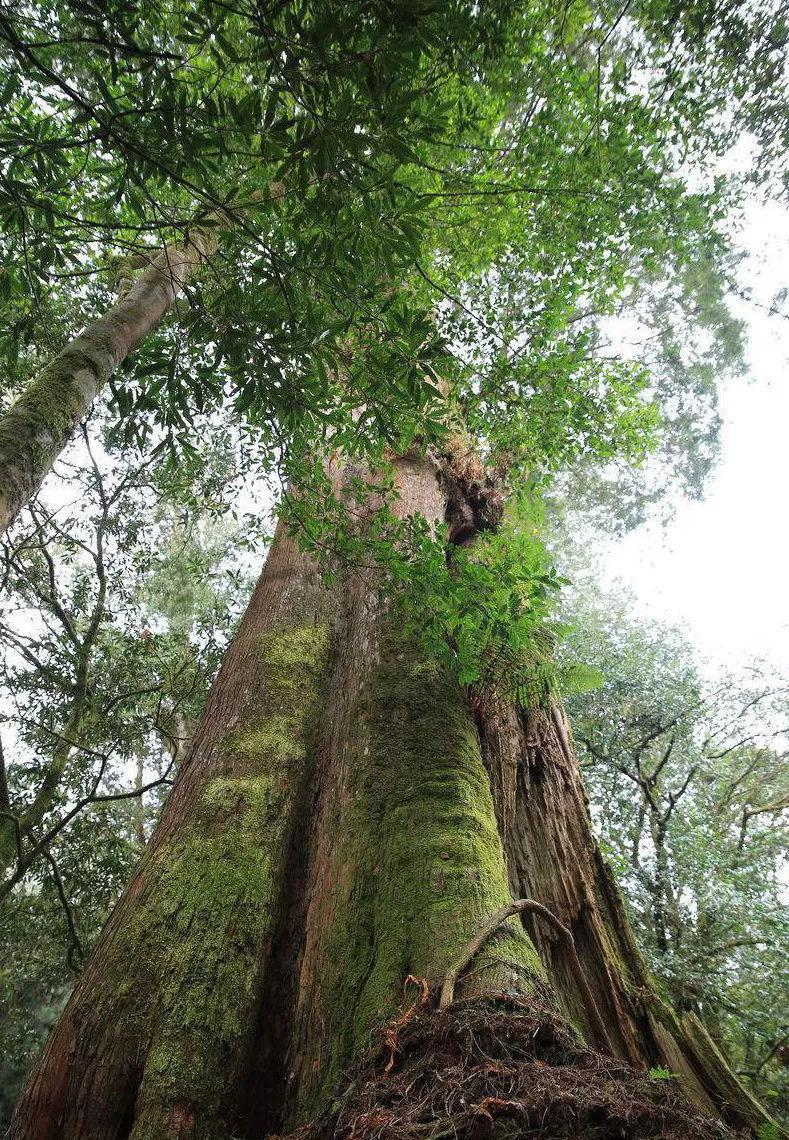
(364, 167)
(688, 784)
(408, 198)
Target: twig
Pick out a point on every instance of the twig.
(5, 797)
(489, 927)
(75, 944)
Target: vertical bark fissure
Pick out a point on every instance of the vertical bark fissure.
(156, 1035)
(553, 857)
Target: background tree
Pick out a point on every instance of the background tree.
(687, 780)
(119, 599)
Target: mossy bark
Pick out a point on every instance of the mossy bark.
(402, 857)
(34, 431)
(331, 832)
(415, 866)
(154, 1041)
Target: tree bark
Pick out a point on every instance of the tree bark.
(331, 832)
(552, 856)
(154, 1039)
(341, 823)
(405, 860)
(37, 427)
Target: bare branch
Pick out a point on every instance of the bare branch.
(5, 799)
(43, 844)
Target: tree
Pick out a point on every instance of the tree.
(687, 778)
(374, 774)
(90, 686)
(334, 829)
(284, 132)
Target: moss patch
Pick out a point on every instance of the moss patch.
(419, 862)
(199, 930)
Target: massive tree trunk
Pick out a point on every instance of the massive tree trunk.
(344, 821)
(157, 1031)
(34, 431)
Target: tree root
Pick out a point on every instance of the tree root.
(489, 927)
(502, 1067)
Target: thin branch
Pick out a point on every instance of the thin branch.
(43, 844)
(5, 798)
(675, 797)
(74, 940)
(653, 777)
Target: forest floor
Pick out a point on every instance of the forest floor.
(502, 1066)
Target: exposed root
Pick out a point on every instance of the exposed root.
(390, 1033)
(491, 925)
(504, 1067)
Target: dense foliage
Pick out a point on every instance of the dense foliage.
(432, 218)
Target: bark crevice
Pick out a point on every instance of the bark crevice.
(552, 856)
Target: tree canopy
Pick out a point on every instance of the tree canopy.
(497, 232)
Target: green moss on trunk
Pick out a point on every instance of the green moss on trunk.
(418, 864)
(179, 985)
(211, 894)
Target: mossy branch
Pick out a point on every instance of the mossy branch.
(491, 925)
(35, 429)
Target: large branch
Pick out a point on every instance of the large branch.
(36, 428)
(491, 925)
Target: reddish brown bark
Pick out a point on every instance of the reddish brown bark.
(91, 1081)
(388, 861)
(552, 856)
(386, 854)
(376, 876)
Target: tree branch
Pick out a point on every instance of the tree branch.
(75, 943)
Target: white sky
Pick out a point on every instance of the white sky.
(720, 570)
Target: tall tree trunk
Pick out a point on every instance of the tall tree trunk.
(34, 431)
(155, 1037)
(340, 823)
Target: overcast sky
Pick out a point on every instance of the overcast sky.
(721, 568)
